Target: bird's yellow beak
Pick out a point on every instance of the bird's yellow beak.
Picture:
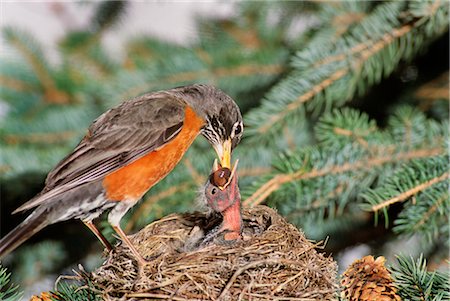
(224, 152)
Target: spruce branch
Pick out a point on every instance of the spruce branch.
(411, 192)
(414, 282)
(431, 92)
(433, 209)
(365, 50)
(39, 138)
(352, 156)
(300, 100)
(389, 157)
(364, 55)
(427, 214)
(213, 75)
(352, 15)
(254, 171)
(84, 45)
(75, 288)
(15, 84)
(336, 22)
(8, 292)
(410, 180)
(31, 52)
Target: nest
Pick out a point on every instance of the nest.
(273, 261)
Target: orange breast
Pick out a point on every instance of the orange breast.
(133, 180)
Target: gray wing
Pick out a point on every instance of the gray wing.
(115, 139)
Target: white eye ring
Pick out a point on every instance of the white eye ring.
(237, 125)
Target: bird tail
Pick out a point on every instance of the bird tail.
(30, 226)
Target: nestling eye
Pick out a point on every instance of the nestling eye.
(214, 190)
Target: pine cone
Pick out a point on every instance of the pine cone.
(45, 296)
(368, 279)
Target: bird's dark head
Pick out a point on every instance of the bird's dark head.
(224, 126)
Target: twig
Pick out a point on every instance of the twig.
(159, 296)
(51, 93)
(396, 33)
(198, 286)
(436, 89)
(241, 70)
(434, 6)
(431, 210)
(304, 98)
(343, 21)
(13, 83)
(282, 285)
(254, 171)
(405, 195)
(57, 137)
(365, 52)
(247, 37)
(358, 136)
(273, 298)
(277, 181)
(251, 265)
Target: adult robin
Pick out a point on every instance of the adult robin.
(126, 151)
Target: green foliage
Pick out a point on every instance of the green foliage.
(327, 75)
(353, 155)
(426, 176)
(427, 215)
(75, 291)
(38, 260)
(8, 292)
(52, 105)
(314, 146)
(415, 283)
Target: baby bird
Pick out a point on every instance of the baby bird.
(222, 196)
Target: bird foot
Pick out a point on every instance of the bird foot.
(141, 267)
(141, 261)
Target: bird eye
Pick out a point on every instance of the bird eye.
(214, 190)
(238, 129)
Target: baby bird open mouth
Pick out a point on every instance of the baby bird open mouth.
(222, 176)
(223, 196)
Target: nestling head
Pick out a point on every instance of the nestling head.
(220, 199)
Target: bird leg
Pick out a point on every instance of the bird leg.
(99, 235)
(141, 261)
(114, 218)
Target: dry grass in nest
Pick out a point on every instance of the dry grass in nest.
(274, 261)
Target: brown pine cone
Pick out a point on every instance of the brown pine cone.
(45, 296)
(368, 279)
